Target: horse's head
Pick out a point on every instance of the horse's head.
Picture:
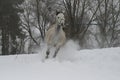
(60, 19)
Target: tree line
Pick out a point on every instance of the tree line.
(93, 23)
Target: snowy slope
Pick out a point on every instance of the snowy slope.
(70, 64)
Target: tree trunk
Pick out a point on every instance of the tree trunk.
(5, 41)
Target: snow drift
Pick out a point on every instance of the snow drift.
(70, 64)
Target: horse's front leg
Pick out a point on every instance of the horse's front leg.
(56, 51)
(47, 52)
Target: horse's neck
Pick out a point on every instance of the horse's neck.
(58, 28)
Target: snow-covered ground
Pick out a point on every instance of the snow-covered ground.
(70, 64)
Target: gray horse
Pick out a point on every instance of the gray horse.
(55, 36)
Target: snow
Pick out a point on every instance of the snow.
(71, 63)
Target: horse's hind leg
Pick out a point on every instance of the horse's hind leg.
(56, 52)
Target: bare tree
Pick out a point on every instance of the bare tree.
(35, 17)
(108, 20)
(28, 19)
(42, 16)
(78, 17)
